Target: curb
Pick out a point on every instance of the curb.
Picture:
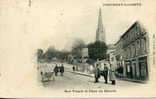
(124, 79)
(81, 73)
(131, 80)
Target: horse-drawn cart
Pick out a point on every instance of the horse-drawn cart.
(47, 73)
(47, 76)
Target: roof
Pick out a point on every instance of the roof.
(131, 27)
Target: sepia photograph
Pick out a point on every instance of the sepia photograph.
(82, 49)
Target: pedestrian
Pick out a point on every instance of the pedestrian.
(73, 68)
(112, 74)
(105, 73)
(56, 70)
(97, 73)
(62, 69)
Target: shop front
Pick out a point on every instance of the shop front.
(129, 73)
(143, 68)
(134, 69)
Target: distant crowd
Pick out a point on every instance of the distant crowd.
(58, 69)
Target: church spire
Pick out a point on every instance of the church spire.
(100, 24)
(100, 33)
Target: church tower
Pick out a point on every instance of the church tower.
(100, 33)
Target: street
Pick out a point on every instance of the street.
(29, 82)
(72, 80)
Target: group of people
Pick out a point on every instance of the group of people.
(58, 68)
(106, 72)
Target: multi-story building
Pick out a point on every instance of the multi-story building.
(84, 54)
(111, 55)
(132, 52)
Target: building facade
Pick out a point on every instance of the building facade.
(111, 55)
(132, 52)
(84, 54)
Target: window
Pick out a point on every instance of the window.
(130, 51)
(134, 50)
(145, 46)
(138, 47)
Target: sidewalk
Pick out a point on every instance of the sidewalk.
(69, 67)
(81, 73)
(132, 80)
(92, 75)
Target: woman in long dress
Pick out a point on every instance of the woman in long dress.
(112, 74)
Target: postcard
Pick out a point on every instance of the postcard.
(77, 48)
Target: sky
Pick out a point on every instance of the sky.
(58, 23)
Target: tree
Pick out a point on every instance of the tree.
(77, 47)
(97, 50)
(50, 53)
(62, 55)
(53, 53)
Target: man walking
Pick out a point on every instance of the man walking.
(105, 73)
(56, 70)
(73, 68)
(62, 69)
(96, 73)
